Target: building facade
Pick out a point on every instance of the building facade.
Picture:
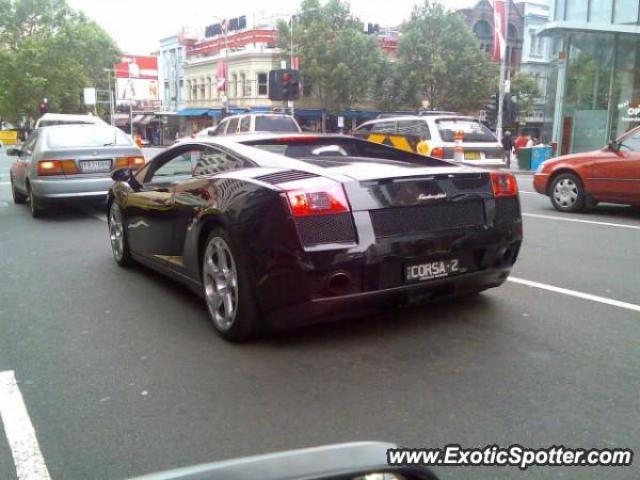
(593, 91)
(536, 57)
(480, 19)
(171, 58)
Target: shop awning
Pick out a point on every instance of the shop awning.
(359, 114)
(214, 112)
(193, 112)
(237, 111)
(311, 113)
(121, 119)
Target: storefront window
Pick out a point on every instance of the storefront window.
(600, 11)
(626, 11)
(588, 82)
(577, 10)
(626, 86)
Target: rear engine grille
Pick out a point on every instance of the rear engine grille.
(507, 209)
(287, 176)
(426, 218)
(326, 229)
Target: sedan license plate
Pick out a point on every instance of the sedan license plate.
(472, 155)
(419, 272)
(95, 166)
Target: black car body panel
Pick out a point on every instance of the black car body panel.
(305, 269)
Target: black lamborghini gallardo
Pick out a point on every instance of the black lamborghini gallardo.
(279, 230)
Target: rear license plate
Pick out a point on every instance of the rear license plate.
(472, 155)
(420, 272)
(95, 166)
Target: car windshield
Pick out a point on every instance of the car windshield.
(85, 136)
(472, 131)
(273, 123)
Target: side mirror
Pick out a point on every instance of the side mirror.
(613, 146)
(122, 175)
(13, 152)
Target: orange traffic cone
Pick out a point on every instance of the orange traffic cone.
(458, 151)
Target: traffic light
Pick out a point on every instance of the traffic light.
(44, 106)
(509, 111)
(284, 84)
(491, 110)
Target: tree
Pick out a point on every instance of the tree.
(524, 88)
(49, 50)
(441, 56)
(337, 58)
(393, 89)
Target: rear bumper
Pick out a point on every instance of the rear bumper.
(60, 188)
(352, 305)
(540, 181)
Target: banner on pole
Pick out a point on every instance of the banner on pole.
(499, 31)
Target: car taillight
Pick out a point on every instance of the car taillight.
(57, 167)
(437, 152)
(130, 162)
(503, 184)
(312, 197)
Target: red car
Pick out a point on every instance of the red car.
(579, 181)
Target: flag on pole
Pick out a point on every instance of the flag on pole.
(499, 31)
(221, 75)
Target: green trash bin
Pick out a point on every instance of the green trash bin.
(524, 158)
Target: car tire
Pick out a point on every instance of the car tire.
(227, 289)
(567, 193)
(118, 236)
(19, 198)
(35, 204)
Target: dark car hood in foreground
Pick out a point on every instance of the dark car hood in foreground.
(348, 459)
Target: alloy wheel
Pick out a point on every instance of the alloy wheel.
(116, 232)
(220, 278)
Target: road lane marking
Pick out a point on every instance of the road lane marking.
(577, 294)
(21, 436)
(575, 220)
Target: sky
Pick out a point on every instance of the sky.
(138, 25)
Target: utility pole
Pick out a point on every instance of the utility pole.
(293, 19)
(503, 70)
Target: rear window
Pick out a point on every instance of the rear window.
(344, 147)
(266, 123)
(86, 136)
(472, 131)
(52, 123)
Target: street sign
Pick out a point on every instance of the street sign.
(89, 96)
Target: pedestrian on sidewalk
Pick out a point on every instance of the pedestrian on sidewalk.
(507, 146)
(521, 141)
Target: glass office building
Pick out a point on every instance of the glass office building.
(594, 84)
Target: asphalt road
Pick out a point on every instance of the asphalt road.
(122, 374)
